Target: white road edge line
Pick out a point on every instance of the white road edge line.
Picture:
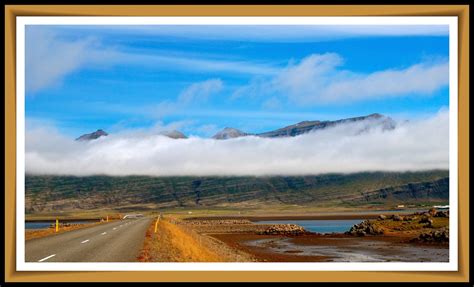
(103, 233)
(85, 241)
(46, 258)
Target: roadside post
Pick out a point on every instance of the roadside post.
(107, 218)
(57, 225)
(156, 223)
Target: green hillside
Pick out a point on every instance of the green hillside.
(67, 193)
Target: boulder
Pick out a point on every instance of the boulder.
(424, 219)
(437, 236)
(365, 228)
(432, 211)
(441, 214)
(429, 223)
(284, 229)
(397, 217)
(382, 217)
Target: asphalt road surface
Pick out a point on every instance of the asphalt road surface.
(118, 241)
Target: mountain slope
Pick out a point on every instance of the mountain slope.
(49, 193)
(308, 126)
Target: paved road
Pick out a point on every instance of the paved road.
(118, 241)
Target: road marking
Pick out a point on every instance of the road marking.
(115, 228)
(104, 233)
(85, 241)
(46, 258)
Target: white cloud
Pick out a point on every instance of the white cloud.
(206, 129)
(268, 33)
(50, 56)
(49, 60)
(418, 145)
(317, 79)
(196, 93)
(421, 79)
(200, 91)
(272, 103)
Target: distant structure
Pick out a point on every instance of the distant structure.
(132, 216)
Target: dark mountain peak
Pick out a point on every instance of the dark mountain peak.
(376, 116)
(308, 126)
(229, 133)
(92, 136)
(305, 123)
(174, 134)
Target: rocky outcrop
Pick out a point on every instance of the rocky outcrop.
(397, 217)
(441, 214)
(426, 219)
(284, 229)
(437, 236)
(365, 228)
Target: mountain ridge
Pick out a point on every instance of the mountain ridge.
(49, 193)
(299, 128)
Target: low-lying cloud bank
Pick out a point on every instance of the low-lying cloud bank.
(412, 146)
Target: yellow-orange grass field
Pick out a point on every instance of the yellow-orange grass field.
(172, 243)
(31, 234)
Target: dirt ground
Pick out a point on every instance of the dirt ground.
(396, 244)
(342, 248)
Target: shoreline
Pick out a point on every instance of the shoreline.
(62, 220)
(395, 237)
(338, 216)
(333, 247)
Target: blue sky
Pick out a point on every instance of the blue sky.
(254, 78)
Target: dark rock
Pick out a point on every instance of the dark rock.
(438, 236)
(284, 229)
(425, 219)
(430, 223)
(397, 217)
(441, 214)
(365, 228)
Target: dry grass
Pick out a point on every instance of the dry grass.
(412, 228)
(173, 244)
(31, 234)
